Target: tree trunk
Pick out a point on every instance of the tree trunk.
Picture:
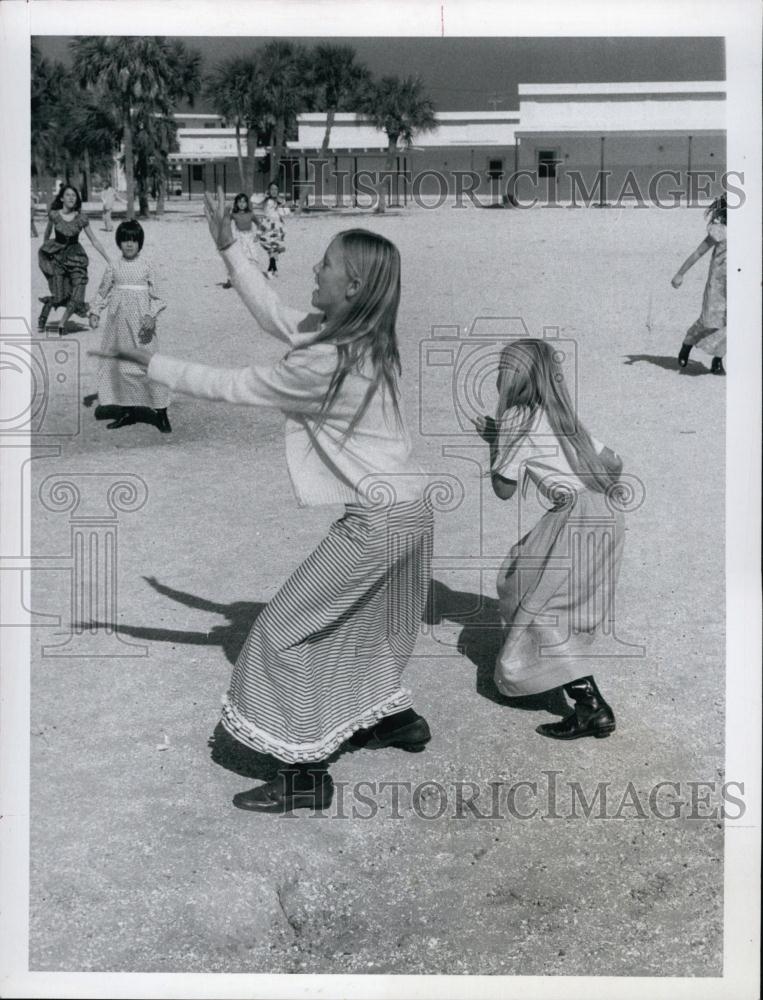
(276, 150)
(330, 114)
(143, 207)
(251, 160)
(129, 169)
(241, 174)
(381, 193)
(161, 183)
(86, 169)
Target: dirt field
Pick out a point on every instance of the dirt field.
(139, 861)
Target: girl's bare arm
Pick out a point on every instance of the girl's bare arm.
(96, 243)
(690, 261)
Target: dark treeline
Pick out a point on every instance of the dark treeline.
(119, 97)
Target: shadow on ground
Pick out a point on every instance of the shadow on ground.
(668, 363)
(480, 641)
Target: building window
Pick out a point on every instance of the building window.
(197, 172)
(494, 168)
(547, 162)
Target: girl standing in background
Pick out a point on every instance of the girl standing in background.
(708, 333)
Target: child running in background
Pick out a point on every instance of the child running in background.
(272, 234)
(708, 333)
(323, 662)
(553, 616)
(130, 291)
(244, 230)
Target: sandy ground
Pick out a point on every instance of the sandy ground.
(139, 861)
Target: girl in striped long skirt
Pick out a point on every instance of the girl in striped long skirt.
(323, 662)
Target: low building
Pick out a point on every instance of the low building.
(599, 143)
(566, 143)
(650, 138)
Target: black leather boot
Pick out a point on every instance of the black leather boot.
(108, 411)
(298, 786)
(42, 322)
(404, 730)
(683, 355)
(162, 421)
(716, 366)
(592, 715)
(125, 418)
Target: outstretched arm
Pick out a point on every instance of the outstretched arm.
(293, 326)
(96, 243)
(678, 277)
(101, 300)
(296, 384)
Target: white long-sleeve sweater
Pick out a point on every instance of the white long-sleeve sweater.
(371, 465)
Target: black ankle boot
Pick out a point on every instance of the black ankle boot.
(716, 366)
(42, 322)
(89, 399)
(125, 418)
(592, 715)
(296, 786)
(162, 421)
(109, 411)
(405, 730)
(683, 355)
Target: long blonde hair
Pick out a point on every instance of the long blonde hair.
(531, 377)
(367, 326)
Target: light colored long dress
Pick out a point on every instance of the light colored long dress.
(128, 292)
(556, 586)
(708, 333)
(245, 233)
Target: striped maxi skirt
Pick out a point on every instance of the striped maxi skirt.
(326, 656)
(556, 595)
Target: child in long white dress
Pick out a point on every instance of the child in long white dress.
(130, 294)
(708, 333)
(556, 603)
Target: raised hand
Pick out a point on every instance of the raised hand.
(218, 219)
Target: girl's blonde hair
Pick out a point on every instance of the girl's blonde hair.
(530, 376)
(367, 326)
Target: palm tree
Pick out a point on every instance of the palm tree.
(91, 133)
(231, 89)
(401, 110)
(141, 76)
(285, 93)
(46, 98)
(155, 138)
(336, 80)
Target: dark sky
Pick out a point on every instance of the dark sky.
(463, 74)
